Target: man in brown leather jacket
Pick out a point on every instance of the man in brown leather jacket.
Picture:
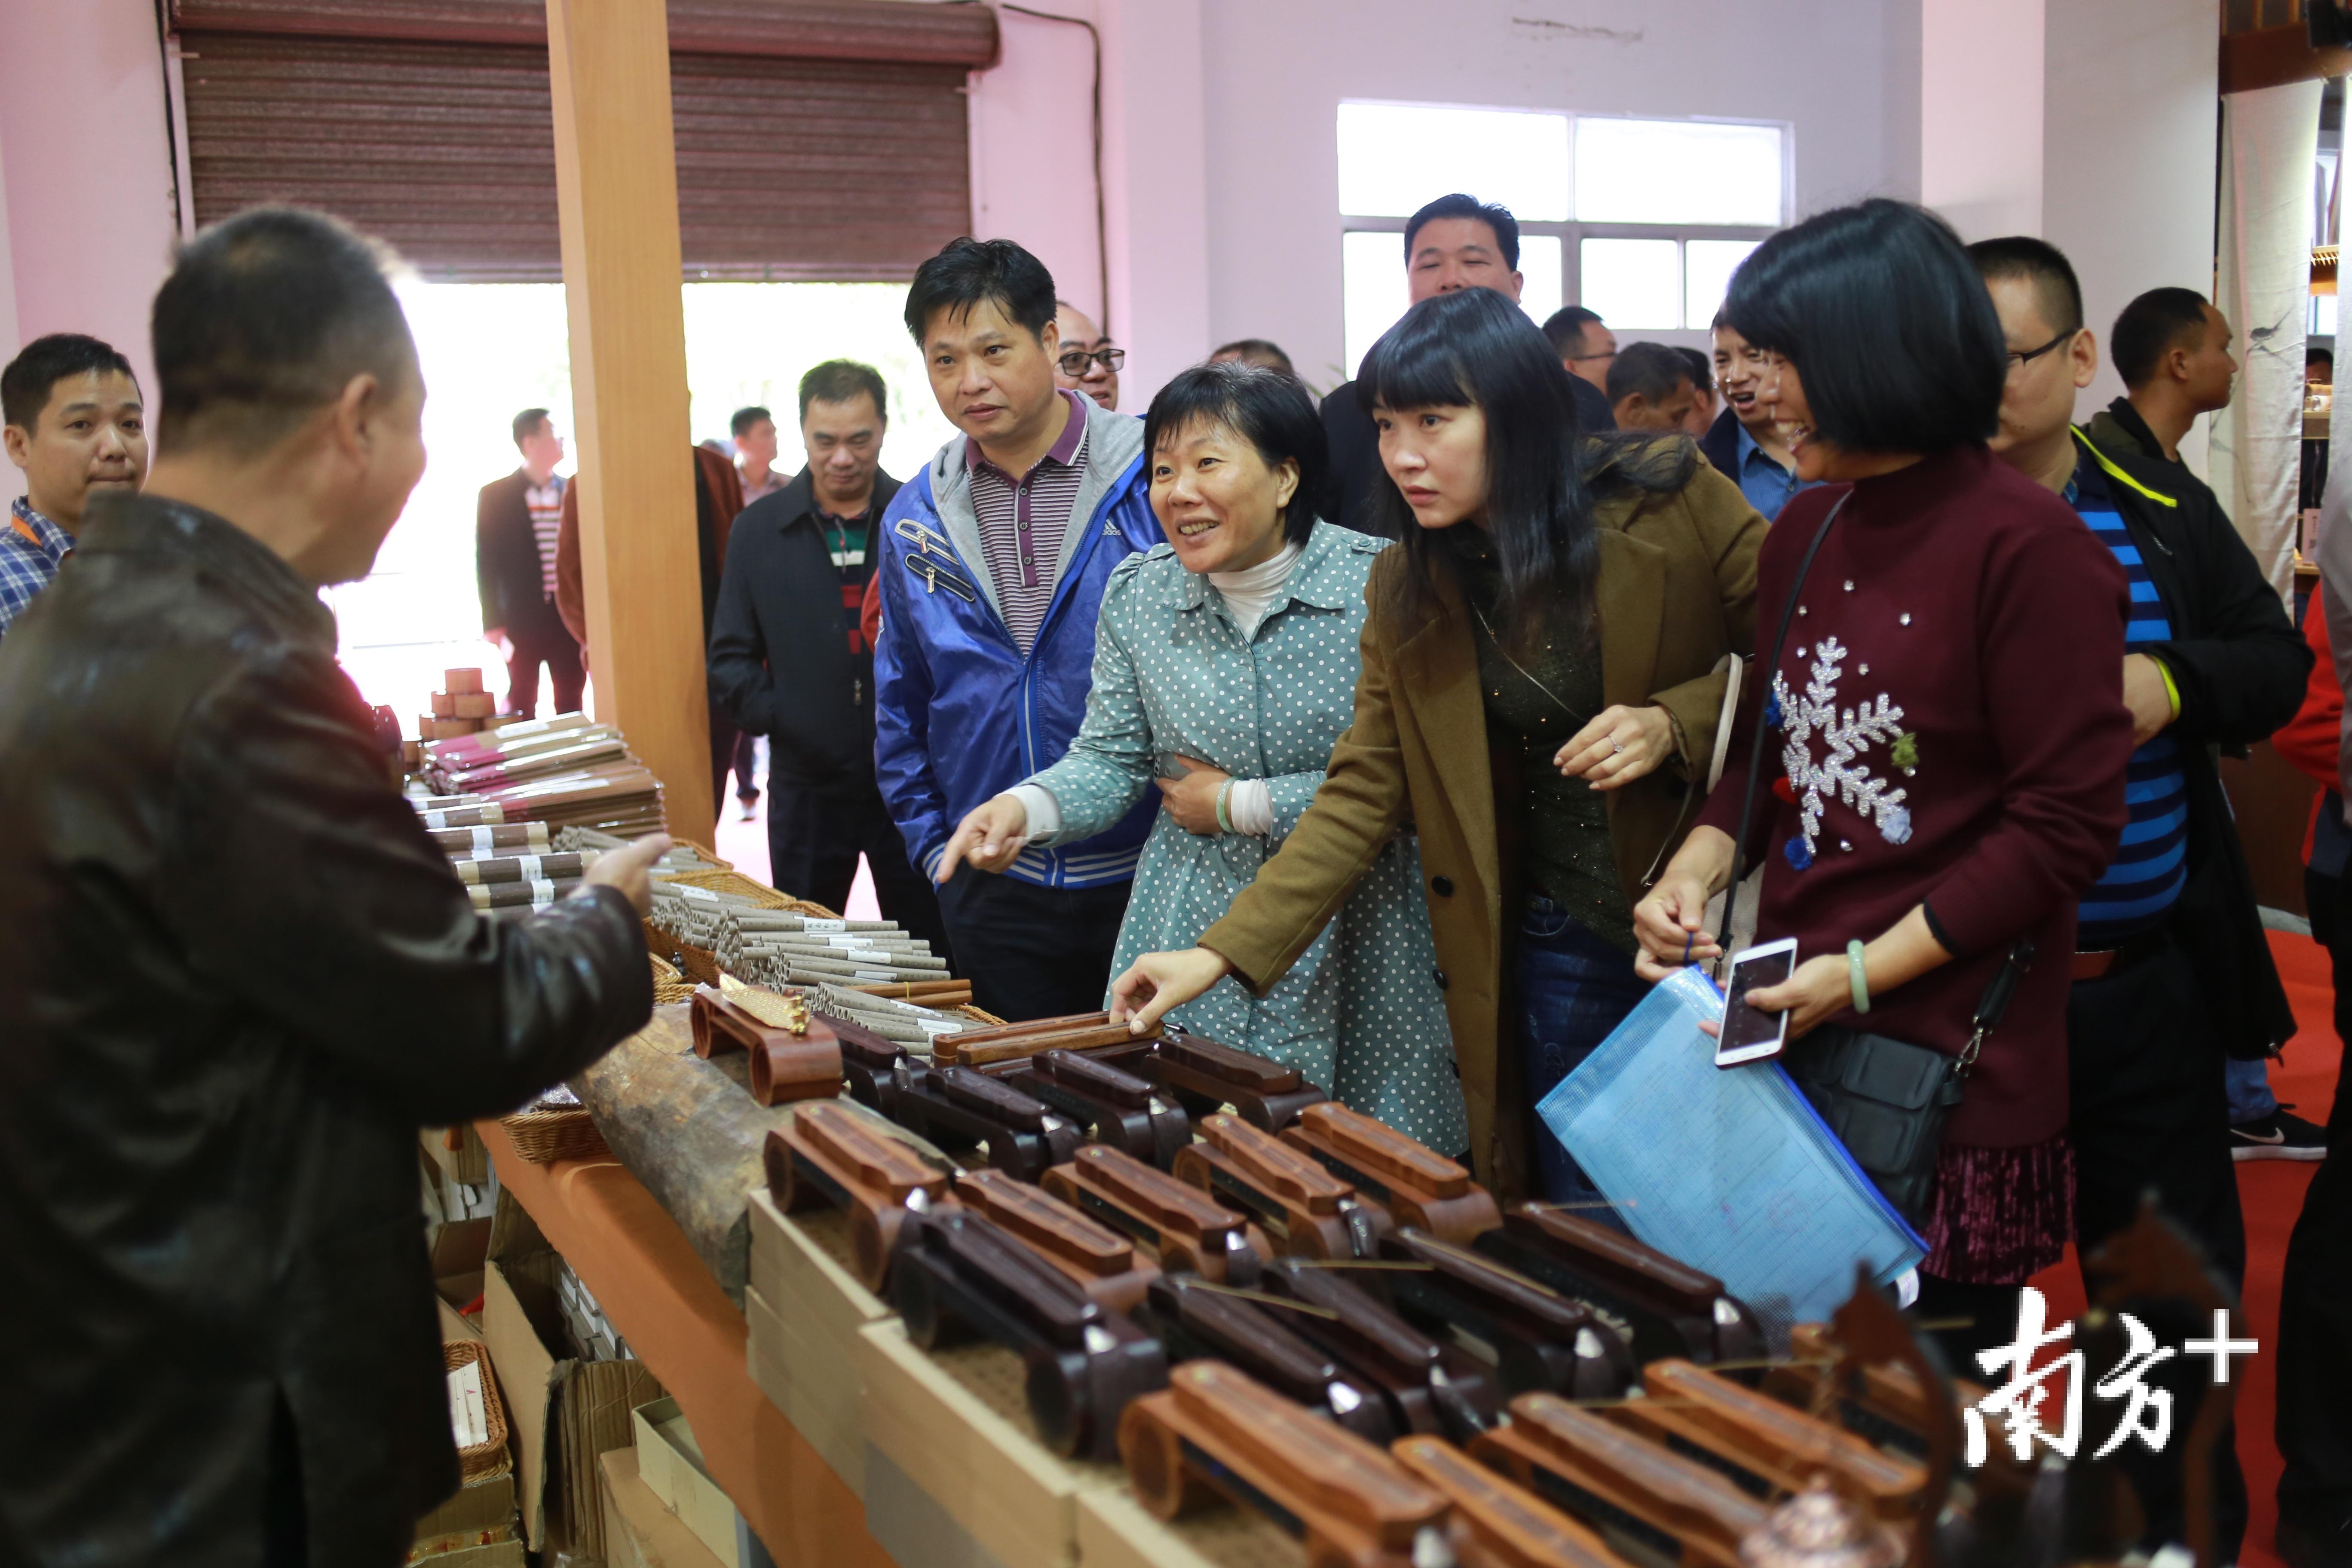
(235, 973)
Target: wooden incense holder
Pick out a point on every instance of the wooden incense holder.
(827, 1154)
(868, 1062)
(1306, 1210)
(1214, 1431)
(1190, 1232)
(1756, 1433)
(957, 1273)
(1414, 1185)
(1540, 1339)
(1100, 1259)
(1078, 1032)
(1431, 1385)
(1672, 1309)
(1111, 1104)
(787, 1065)
(1606, 1476)
(958, 1105)
(1196, 1320)
(1207, 1075)
(1495, 1523)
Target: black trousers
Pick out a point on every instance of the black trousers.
(1032, 952)
(2149, 1114)
(550, 646)
(814, 837)
(2314, 1342)
(723, 735)
(743, 762)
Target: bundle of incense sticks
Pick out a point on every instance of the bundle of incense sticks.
(488, 840)
(503, 868)
(566, 772)
(678, 857)
(904, 1023)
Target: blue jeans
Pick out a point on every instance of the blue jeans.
(1574, 989)
(2248, 1084)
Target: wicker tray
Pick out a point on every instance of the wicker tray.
(669, 985)
(485, 1460)
(543, 1137)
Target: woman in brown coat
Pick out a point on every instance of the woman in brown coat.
(1544, 666)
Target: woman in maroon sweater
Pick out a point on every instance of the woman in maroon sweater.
(1944, 769)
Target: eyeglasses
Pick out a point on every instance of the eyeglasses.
(2017, 357)
(1073, 364)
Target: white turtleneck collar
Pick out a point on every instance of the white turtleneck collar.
(1249, 592)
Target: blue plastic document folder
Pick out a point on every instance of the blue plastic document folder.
(1730, 1169)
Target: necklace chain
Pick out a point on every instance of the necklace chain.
(1524, 673)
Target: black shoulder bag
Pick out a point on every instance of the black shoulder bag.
(1887, 1099)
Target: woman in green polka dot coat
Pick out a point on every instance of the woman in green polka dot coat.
(1226, 665)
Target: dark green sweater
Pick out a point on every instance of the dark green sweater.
(1534, 705)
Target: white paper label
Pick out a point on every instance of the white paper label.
(530, 869)
(436, 820)
(935, 1028)
(875, 974)
(849, 941)
(705, 894)
(484, 841)
(469, 1417)
(825, 925)
(542, 893)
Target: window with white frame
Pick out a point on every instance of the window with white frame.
(1642, 221)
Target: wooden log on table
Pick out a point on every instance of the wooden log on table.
(689, 1129)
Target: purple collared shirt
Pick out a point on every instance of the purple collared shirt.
(1024, 520)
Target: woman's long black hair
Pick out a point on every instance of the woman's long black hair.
(1885, 317)
(1475, 347)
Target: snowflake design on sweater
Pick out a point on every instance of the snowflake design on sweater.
(1846, 735)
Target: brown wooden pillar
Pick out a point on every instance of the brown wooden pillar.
(616, 188)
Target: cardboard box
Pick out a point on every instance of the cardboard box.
(482, 1514)
(469, 1163)
(460, 1249)
(638, 1532)
(670, 1464)
(562, 1412)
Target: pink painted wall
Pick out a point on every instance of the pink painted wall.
(85, 172)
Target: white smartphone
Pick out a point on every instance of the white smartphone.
(1749, 1035)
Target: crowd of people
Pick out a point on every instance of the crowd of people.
(1397, 739)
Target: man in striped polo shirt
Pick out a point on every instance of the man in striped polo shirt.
(2172, 972)
(992, 563)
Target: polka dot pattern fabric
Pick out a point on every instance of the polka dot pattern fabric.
(1360, 1012)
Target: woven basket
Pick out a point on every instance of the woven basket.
(700, 964)
(737, 884)
(485, 1460)
(703, 851)
(543, 1137)
(669, 985)
(977, 1014)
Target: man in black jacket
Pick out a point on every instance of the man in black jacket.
(515, 524)
(2173, 973)
(789, 658)
(236, 972)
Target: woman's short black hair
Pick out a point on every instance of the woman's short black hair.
(1886, 319)
(966, 271)
(1265, 408)
(1476, 348)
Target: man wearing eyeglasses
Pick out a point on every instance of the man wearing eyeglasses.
(2173, 975)
(1087, 362)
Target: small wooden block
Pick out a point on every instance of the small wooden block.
(457, 681)
(473, 705)
(445, 705)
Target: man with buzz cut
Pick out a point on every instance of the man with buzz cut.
(77, 426)
(2172, 972)
(992, 562)
(237, 976)
(2172, 349)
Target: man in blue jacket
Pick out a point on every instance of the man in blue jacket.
(992, 562)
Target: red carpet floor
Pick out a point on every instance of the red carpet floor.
(2271, 1191)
